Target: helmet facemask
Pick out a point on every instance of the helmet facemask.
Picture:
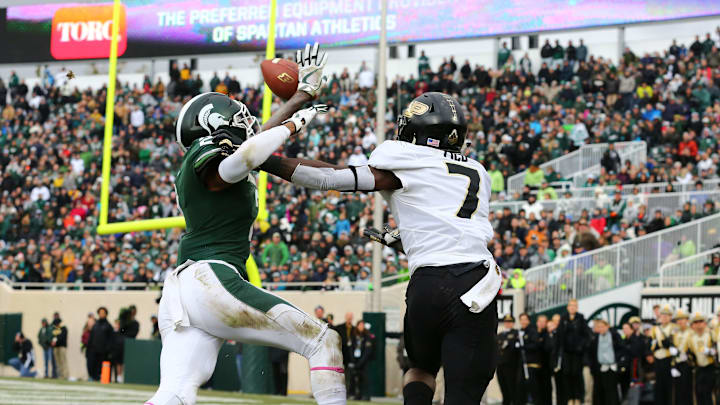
(245, 120)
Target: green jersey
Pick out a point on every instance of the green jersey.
(219, 223)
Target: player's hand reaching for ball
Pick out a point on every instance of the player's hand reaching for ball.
(310, 69)
(303, 117)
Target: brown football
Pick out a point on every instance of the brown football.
(281, 75)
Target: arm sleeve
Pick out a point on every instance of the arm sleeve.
(353, 178)
(251, 154)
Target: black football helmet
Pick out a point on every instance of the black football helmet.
(207, 112)
(435, 120)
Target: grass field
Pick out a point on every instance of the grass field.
(24, 391)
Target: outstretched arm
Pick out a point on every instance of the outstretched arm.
(239, 161)
(290, 107)
(325, 176)
(220, 173)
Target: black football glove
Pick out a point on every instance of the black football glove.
(228, 139)
(388, 236)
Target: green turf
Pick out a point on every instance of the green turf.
(24, 391)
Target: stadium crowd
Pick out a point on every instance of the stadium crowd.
(519, 117)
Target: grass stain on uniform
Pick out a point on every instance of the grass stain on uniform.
(308, 329)
(246, 318)
(202, 276)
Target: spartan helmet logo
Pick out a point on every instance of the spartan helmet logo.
(453, 137)
(209, 120)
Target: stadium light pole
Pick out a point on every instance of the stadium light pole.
(380, 134)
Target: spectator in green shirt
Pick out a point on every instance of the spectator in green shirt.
(503, 55)
(423, 63)
(558, 54)
(275, 253)
(45, 336)
(546, 192)
(551, 175)
(707, 44)
(534, 177)
(685, 248)
(518, 280)
(603, 274)
(497, 180)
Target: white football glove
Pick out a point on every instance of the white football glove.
(673, 351)
(675, 373)
(310, 69)
(303, 117)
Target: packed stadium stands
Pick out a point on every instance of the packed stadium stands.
(520, 117)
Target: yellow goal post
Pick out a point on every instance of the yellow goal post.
(104, 227)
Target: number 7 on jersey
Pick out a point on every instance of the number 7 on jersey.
(470, 204)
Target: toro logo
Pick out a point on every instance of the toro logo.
(85, 32)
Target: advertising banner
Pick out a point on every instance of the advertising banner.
(176, 27)
(690, 300)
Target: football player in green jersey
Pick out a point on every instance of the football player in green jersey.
(208, 299)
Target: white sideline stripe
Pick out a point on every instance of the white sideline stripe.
(25, 401)
(16, 392)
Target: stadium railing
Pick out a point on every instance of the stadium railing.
(647, 188)
(573, 207)
(635, 152)
(686, 272)
(599, 270)
(584, 161)
(342, 285)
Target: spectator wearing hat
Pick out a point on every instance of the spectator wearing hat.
(530, 347)
(508, 360)
(664, 352)
(606, 353)
(681, 337)
(636, 348)
(25, 361)
(45, 336)
(59, 345)
(363, 282)
(701, 348)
